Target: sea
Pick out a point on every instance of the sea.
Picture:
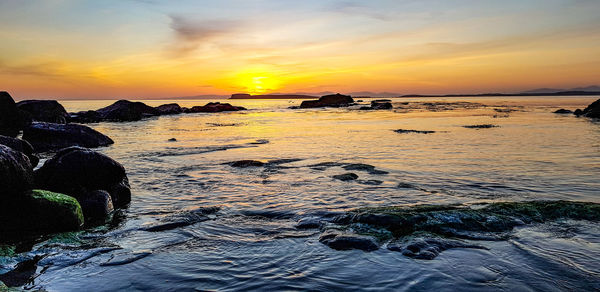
(242, 233)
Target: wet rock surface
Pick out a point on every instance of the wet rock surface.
(97, 205)
(428, 248)
(345, 241)
(77, 172)
(44, 111)
(16, 174)
(125, 111)
(346, 176)
(403, 131)
(246, 163)
(333, 100)
(50, 136)
(21, 146)
(23, 273)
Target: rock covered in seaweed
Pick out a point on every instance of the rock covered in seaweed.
(44, 111)
(77, 172)
(50, 136)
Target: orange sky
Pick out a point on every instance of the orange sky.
(150, 49)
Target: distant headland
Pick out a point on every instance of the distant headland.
(270, 96)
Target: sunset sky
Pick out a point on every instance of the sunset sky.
(149, 49)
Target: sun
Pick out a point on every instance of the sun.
(254, 82)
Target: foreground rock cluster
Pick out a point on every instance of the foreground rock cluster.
(591, 111)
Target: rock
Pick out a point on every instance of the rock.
(333, 100)
(402, 131)
(44, 111)
(49, 136)
(172, 140)
(482, 126)
(125, 111)
(363, 167)
(16, 174)
(11, 120)
(563, 111)
(381, 104)
(21, 146)
(578, 112)
(309, 223)
(428, 248)
(247, 163)
(77, 172)
(169, 109)
(346, 176)
(346, 241)
(96, 205)
(85, 117)
(592, 110)
(213, 107)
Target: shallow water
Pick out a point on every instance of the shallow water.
(251, 242)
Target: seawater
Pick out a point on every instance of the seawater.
(251, 243)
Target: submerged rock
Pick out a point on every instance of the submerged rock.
(427, 248)
(402, 131)
(482, 126)
(77, 172)
(125, 110)
(213, 107)
(346, 241)
(21, 146)
(23, 273)
(379, 104)
(309, 223)
(364, 167)
(563, 111)
(247, 163)
(592, 110)
(333, 100)
(44, 111)
(346, 176)
(169, 109)
(49, 136)
(16, 174)
(11, 119)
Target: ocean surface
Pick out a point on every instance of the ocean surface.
(246, 239)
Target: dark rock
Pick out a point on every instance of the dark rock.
(247, 163)
(381, 104)
(309, 223)
(169, 109)
(96, 205)
(563, 111)
(482, 126)
(346, 176)
(402, 131)
(11, 119)
(578, 112)
(359, 166)
(77, 172)
(370, 182)
(21, 146)
(49, 136)
(346, 241)
(44, 111)
(16, 176)
(428, 248)
(125, 110)
(85, 117)
(333, 100)
(172, 140)
(213, 107)
(23, 273)
(592, 110)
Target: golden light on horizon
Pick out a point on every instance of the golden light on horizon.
(257, 82)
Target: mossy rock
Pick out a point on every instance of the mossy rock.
(7, 250)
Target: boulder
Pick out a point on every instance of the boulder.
(381, 104)
(213, 107)
(85, 117)
(21, 146)
(49, 136)
(345, 241)
(169, 109)
(77, 172)
(16, 174)
(592, 110)
(125, 110)
(11, 120)
(333, 100)
(44, 111)
(563, 111)
(96, 205)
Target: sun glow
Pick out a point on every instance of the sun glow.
(254, 82)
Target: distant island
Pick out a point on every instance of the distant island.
(271, 96)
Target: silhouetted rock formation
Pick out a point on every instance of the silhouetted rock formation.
(16, 173)
(78, 172)
(563, 111)
(592, 110)
(44, 111)
(379, 104)
(11, 120)
(125, 110)
(21, 146)
(213, 107)
(169, 109)
(270, 96)
(85, 117)
(49, 136)
(333, 100)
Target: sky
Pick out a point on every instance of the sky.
(62, 49)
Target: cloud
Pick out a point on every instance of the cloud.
(191, 33)
(355, 8)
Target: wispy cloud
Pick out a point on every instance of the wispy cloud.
(190, 33)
